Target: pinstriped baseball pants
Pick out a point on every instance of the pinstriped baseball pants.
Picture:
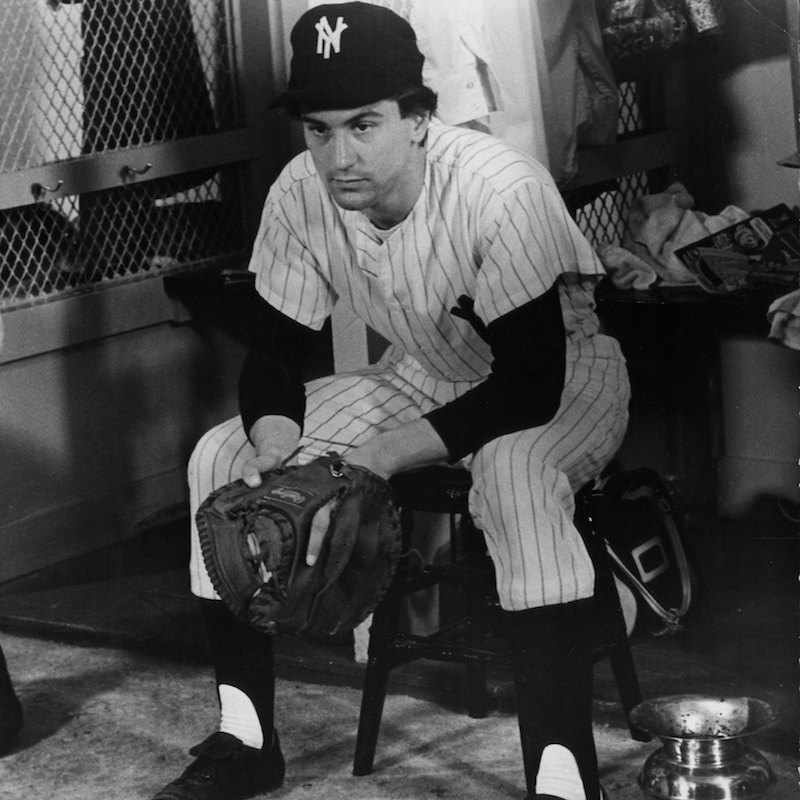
(523, 483)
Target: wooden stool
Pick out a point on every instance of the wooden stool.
(472, 639)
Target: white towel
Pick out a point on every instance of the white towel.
(783, 316)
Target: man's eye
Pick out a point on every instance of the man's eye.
(363, 127)
(317, 130)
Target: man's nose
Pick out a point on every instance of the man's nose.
(343, 151)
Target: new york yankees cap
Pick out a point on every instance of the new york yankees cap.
(348, 55)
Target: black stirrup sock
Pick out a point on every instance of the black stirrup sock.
(552, 663)
(10, 709)
(242, 658)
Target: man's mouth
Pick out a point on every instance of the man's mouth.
(347, 183)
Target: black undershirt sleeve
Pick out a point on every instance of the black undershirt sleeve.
(524, 387)
(267, 384)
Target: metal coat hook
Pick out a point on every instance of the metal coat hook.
(128, 173)
(39, 190)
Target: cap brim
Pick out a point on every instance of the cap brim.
(324, 92)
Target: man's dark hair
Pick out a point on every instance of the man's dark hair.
(414, 100)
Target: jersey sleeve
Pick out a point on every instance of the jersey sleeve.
(529, 241)
(525, 385)
(269, 381)
(288, 275)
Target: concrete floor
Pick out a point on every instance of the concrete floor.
(105, 722)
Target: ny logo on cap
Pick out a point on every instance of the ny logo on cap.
(328, 38)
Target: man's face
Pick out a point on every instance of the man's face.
(746, 238)
(369, 158)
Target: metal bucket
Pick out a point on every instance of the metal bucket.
(704, 754)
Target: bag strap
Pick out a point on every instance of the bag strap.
(672, 616)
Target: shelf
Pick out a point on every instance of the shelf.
(641, 153)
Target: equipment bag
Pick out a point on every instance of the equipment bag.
(641, 519)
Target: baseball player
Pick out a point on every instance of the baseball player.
(459, 251)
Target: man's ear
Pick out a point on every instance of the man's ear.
(419, 129)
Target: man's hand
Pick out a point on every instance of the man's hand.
(319, 527)
(263, 462)
(275, 438)
(360, 456)
(413, 445)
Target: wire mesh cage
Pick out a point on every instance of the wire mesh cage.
(604, 218)
(76, 242)
(86, 79)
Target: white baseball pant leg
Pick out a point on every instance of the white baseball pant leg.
(523, 487)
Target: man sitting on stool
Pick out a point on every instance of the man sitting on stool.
(459, 251)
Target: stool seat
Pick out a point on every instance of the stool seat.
(439, 489)
(475, 638)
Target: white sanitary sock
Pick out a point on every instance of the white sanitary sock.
(559, 775)
(238, 716)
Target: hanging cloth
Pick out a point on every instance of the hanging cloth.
(534, 74)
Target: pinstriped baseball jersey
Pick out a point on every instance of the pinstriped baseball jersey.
(489, 223)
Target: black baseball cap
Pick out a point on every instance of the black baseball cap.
(348, 55)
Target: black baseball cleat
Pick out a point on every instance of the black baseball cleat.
(226, 769)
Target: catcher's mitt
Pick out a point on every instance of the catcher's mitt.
(254, 547)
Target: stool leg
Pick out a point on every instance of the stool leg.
(477, 602)
(620, 656)
(477, 696)
(624, 671)
(476, 680)
(612, 620)
(385, 621)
